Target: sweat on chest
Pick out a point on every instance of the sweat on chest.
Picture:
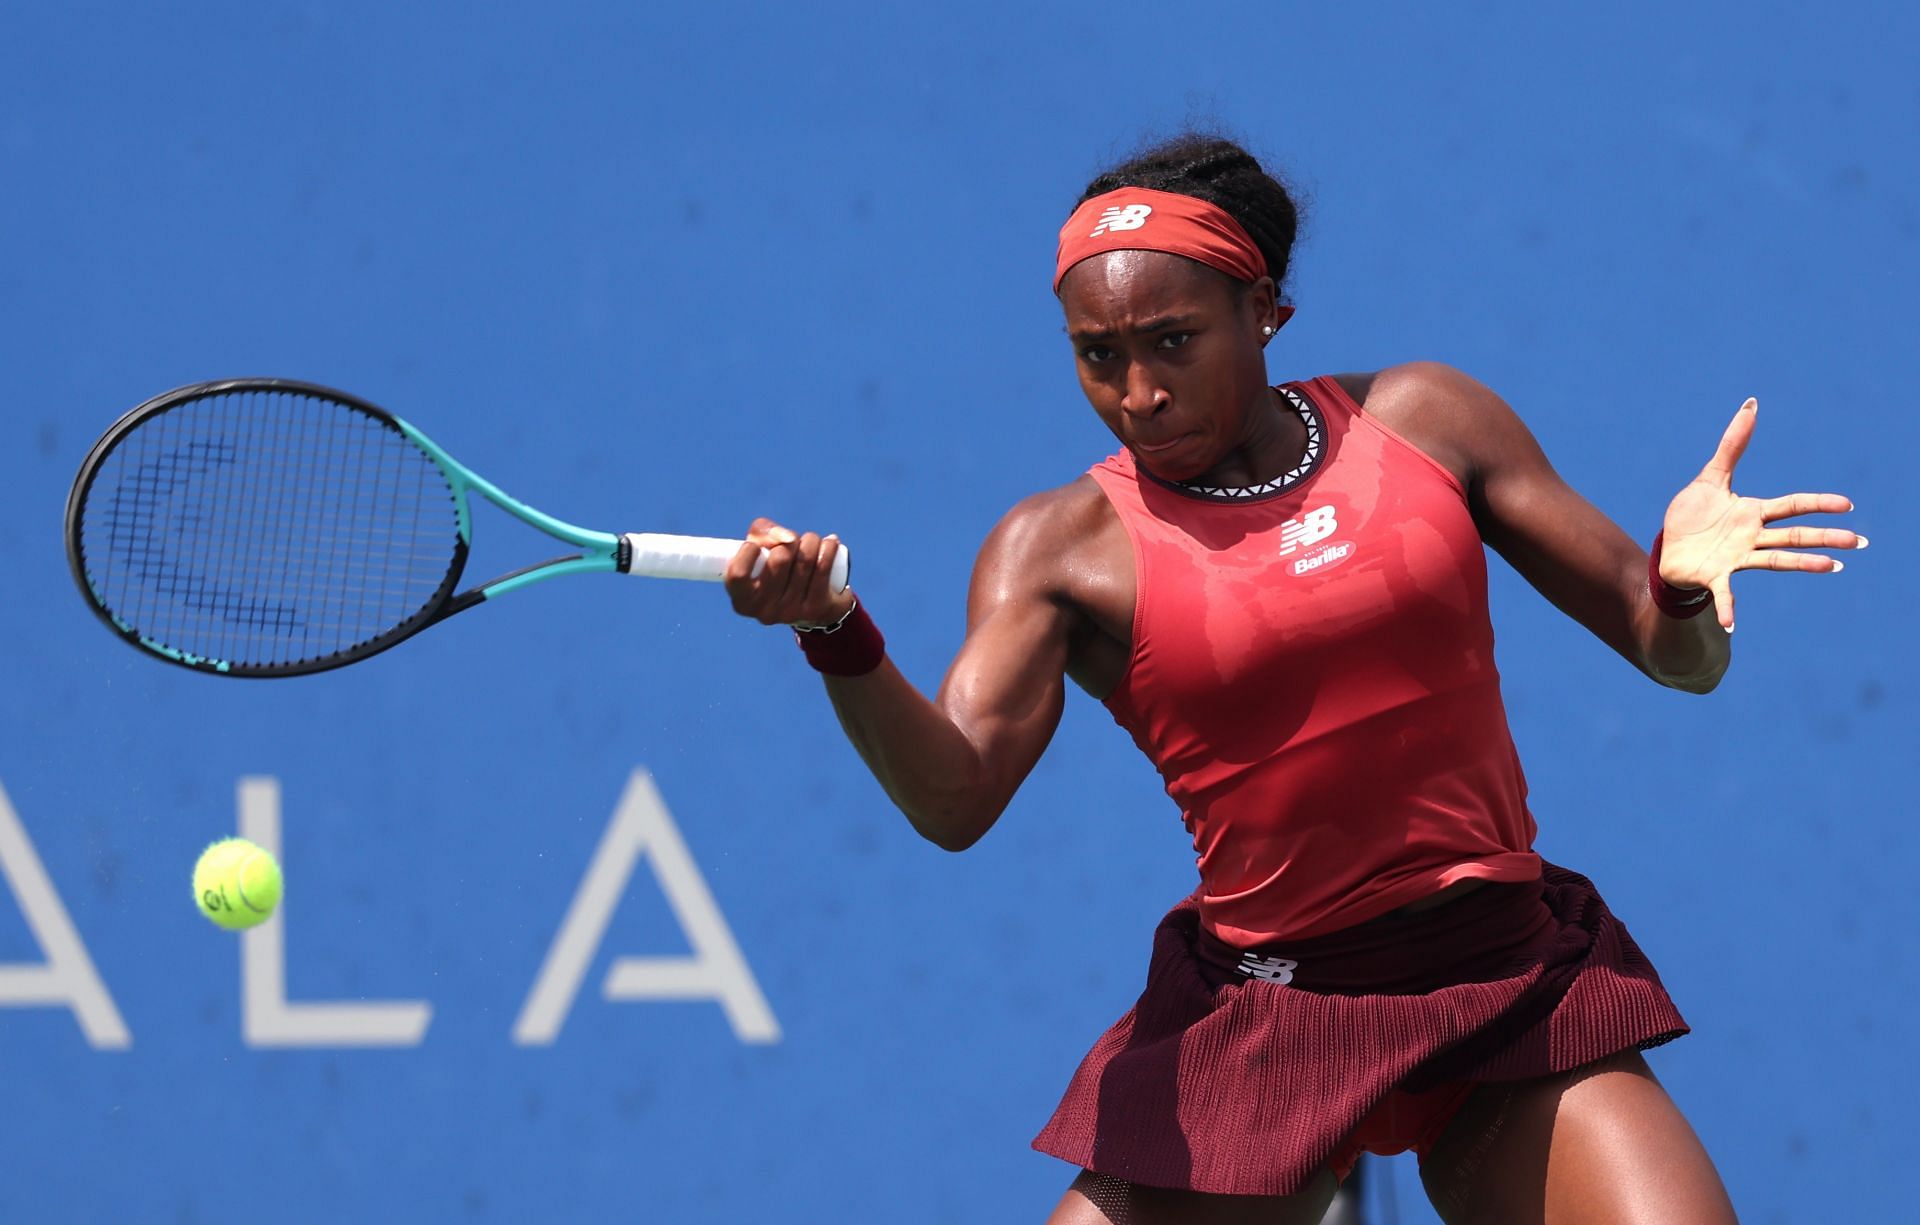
(1326, 585)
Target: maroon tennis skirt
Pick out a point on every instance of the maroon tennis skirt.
(1242, 1072)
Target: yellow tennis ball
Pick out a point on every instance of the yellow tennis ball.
(236, 884)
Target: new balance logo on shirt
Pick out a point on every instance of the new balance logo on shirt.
(1311, 528)
(1131, 217)
(1307, 532)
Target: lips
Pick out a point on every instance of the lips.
(1155, 448)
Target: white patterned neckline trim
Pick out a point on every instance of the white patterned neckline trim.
(1310, 460)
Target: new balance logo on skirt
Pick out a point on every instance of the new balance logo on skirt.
(1132, 217)
(1267, 969)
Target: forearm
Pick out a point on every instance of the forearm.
(1689, 652)
(1610, 594)
(926, 764)
(950, 763)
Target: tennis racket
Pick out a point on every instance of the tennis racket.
(264, 527)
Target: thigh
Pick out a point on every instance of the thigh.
(1601, 1144)
(1095, 1199)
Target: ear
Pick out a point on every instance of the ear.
(1262, 303)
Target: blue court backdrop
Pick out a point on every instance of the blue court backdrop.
(669, 267)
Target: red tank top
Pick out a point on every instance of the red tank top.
(1312, 674)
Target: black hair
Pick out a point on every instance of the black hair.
(1212, 168)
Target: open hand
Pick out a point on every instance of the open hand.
(1711, 532)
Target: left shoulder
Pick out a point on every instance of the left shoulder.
(1447, 413)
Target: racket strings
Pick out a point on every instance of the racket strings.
(267, 528)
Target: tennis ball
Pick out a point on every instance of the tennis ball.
(236, 884)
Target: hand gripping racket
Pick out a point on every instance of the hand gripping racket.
(263, 527)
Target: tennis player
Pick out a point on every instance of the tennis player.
(1280, 593)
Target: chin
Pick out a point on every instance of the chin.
(1169, 467)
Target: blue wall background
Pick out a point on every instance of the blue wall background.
(671, 268)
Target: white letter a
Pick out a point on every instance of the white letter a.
(68, 977)
(716, 971)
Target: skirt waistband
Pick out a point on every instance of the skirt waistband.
(1479, 937)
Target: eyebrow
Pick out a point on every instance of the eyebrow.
(1163, 323)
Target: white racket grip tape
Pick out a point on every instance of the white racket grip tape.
(703, 558)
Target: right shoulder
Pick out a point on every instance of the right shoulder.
(1060, 563)
(1052, 520)
(1048, 538)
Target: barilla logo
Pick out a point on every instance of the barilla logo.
(1326, 557)
(1131, 217)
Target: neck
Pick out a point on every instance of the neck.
(1270, 445)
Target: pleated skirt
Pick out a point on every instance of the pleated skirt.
(1243, 1072)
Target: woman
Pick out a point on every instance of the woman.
(1280, 592)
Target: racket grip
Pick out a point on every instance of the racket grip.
(702, 558)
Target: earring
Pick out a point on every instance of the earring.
(1266, 331)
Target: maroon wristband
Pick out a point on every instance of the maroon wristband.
(1677, 602)
(851, 647)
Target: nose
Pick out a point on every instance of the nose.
(1144, 396)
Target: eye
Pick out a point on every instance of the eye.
(1095, 353)
(1173, 340)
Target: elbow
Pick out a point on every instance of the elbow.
(1694, 666)
(1701, 682)
(954, 814)
(953, 828)
(954, 833)
(1697, 684)
(947, 840)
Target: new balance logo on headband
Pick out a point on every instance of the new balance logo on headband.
(1182, 225)
(1131, 217)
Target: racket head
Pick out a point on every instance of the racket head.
(264, 527)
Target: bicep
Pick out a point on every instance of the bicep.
(1007, 686)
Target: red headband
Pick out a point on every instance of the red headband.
(1138, 219)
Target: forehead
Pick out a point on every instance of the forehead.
(1117, 285)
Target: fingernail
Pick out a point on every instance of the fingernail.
(1861, 543)
(1729, 629)
(1837, 567)
(785, 537)
(833, 536)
